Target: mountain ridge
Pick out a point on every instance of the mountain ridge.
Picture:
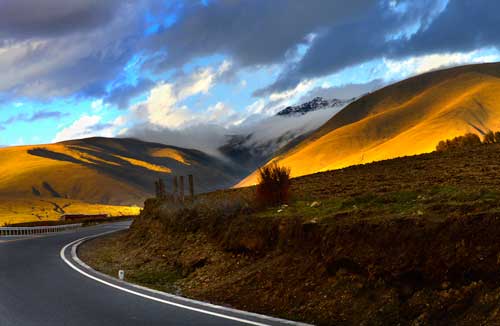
(105, 170)
(406, 118)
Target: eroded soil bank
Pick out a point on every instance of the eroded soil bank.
(402, 272)
(410, 241)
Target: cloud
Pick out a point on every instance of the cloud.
(51, 48)
(395, 31)
(202, 136)
(123, 94)
(40, 18)
(164, 105)
(252, 33)
(38, 115)
(420, 64)
(342, 92)
(90, 126)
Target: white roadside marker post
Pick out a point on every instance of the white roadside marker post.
(121, 274)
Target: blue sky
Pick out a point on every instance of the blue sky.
(76, 68)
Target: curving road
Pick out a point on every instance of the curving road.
(38, 287)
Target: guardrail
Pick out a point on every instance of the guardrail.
(28, 231)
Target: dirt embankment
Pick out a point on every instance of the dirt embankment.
(397, 272)
(410, 241)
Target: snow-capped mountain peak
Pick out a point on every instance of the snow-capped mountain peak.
(317, 103)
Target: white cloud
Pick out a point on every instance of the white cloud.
(300, 89)
(89, 126)
(397, 69)
(97, 105)
(256, 107)
(222, 114)
(163, 106)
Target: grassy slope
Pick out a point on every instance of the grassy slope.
(406, 118)
(109, 174)
(104, 170)
(404, 241)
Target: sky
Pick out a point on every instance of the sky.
(190, 72)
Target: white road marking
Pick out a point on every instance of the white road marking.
(75, 244)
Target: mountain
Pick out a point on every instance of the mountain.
(260, 141)
(315, 104)
(105, 170)
(406, 118)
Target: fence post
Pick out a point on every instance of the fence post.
(174, 186)
(181, 188)
(191, 186)
(161, 186)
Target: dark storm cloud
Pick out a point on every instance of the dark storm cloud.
(38, 18)
(464, 25)
(251, 32)
(55, 48)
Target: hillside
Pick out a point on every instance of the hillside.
(406, 118)
(406, 241)
(103, 170)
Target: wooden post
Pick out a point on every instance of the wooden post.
(157, 189)
(162, 191)
(181, 188)
(191, 186)
(175, 187)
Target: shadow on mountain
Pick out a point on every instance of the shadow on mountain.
(42, 152)
(104, 156)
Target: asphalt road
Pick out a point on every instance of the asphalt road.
(37, 287)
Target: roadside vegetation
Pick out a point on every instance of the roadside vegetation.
(274, 185)
(468, 140)
(412, 240)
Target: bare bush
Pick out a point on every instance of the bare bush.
(274, 185)
(489, 138)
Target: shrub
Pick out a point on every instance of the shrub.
(489, 138)
(467, 140)
(274, 185)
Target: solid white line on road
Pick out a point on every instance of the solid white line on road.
(74, 257)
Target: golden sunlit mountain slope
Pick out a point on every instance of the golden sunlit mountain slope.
(104, 170)
(406, 118)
